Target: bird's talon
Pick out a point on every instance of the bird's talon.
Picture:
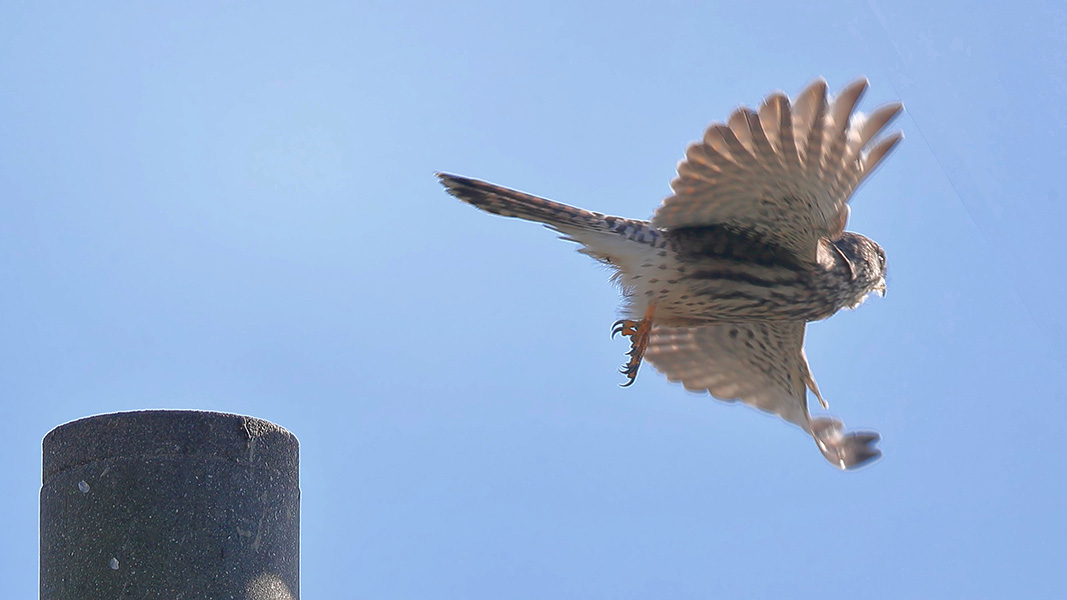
(626, 327)
(639, 333)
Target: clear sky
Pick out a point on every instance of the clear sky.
(232, 207)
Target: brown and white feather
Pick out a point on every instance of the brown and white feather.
(785, 171)
(759, 363)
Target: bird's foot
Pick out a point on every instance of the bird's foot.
(626, 327)
(638, 332)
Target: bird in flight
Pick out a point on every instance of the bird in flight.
(750, 247)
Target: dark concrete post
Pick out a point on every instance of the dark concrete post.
(170, 504)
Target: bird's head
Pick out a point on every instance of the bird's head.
(867, 261)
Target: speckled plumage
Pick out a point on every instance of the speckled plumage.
(749, 248)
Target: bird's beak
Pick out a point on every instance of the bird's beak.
(880, 288)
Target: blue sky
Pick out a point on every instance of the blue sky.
(231, 207)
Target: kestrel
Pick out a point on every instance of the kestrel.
(750, 247)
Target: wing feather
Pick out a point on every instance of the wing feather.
(759, 363)
(762, 364)
(837, 133)
(738, 124)
(790, 154)
(880, 151)
(784, 172)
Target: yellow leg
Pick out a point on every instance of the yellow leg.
(638, 332)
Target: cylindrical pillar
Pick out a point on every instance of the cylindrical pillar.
(170, 504)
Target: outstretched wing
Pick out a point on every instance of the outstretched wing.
(783, 173)
(762, 364)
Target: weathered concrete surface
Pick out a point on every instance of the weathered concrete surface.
(170, 504)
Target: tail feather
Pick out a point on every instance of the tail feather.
(844, 450)
(513, 203)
